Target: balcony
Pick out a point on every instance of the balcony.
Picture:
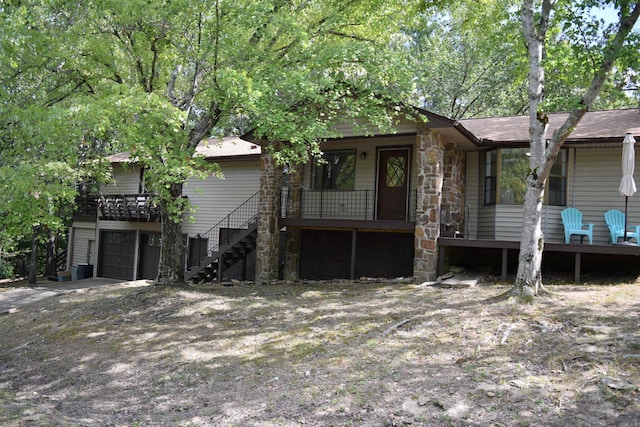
(350, 205)
(86, 208)
(128, 207)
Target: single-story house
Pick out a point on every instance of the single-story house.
(384, 205)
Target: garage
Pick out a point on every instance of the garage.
(117, 249)
(149, 255)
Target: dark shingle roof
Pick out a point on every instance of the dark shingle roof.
(595, 125)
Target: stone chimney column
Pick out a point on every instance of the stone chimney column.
(268, 241)
(294, 210)
(429, 163)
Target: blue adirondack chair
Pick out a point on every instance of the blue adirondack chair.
(572, 221)
(615, 222)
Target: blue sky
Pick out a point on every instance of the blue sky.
(609, 14)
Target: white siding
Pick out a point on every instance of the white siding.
(598, 174)
(215, 198)
(126, 180)
(347, 129)
(81, 239)
(472, 194)
(487, 222)
(366, 168)
(593, 178)
(508, 223)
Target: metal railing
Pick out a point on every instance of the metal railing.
(340, 204)
(128, 207)
(224, 231)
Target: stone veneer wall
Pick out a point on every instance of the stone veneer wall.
(453, 187)
(268, 241)
(430, 167)
(294, 210)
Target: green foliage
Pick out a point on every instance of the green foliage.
(574, 52)
(469, 59)
(155, 78)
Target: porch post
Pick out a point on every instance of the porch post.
(268, 241)
(429, 164)
(294, 210)
(453, 188)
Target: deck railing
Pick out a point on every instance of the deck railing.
(128, 207)
(86, 207)
(339, 204)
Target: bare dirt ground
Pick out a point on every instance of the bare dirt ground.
(367, 353)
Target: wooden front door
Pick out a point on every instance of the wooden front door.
(393, 182)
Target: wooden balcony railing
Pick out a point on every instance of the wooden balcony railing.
(86, 208)
(128, 207)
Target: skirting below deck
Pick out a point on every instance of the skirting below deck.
(505, 245)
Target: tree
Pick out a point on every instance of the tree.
(469, 60)
(536, 23)
(46, 143)
(37, 182)
(162, 76)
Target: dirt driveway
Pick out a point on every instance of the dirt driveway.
(18, 294)
(322, 354)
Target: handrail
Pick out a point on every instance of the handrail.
(341, 204)
(58, 263)
(238, 219)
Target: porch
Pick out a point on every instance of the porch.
(575, 251)
(353, 208)
(344, 233)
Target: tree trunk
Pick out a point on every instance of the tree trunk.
(33, 262)
(50, 269)
(172, 251)
(529, 277)
(543, 153)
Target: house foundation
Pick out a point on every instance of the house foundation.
(268, 240)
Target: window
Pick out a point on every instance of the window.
(490, 177)
(514, 166)
(337, 171)
(557, 182)
(396, 172)
(505, 171)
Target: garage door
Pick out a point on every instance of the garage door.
(117, 254)
(149, 255)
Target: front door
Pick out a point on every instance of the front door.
(393, 181)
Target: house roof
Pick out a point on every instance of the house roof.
(213, 148)
(229, 146)
(595, 126)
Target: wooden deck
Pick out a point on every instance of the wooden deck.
(576, 248)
